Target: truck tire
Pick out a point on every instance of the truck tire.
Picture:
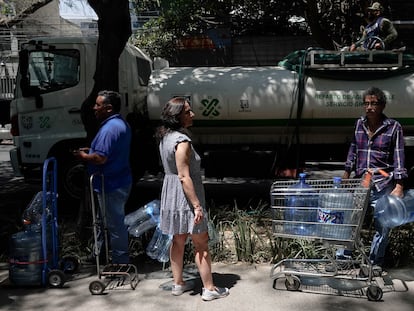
(71, 177)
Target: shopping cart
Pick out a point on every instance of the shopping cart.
(110, 276)
(345, 276)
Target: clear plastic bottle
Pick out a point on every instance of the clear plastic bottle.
(142, 214)
(32, 215)
(301, 205)
(139, 229)
(335, 212)
(392, 211)
(159, 246)
(143, 219)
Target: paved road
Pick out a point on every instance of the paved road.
(250, 289)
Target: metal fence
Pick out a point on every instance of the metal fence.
(7, 85)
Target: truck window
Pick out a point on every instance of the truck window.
(144, 71)
(50, 70)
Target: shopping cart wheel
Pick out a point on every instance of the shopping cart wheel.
(70, 264)
(56, 278)
(292, 284)
(97, 287)
(374, 293)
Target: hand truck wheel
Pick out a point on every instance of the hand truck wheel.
(56, 278)
(97, 287)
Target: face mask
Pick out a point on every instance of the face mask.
(371, 16)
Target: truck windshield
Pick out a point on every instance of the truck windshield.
(53, 70)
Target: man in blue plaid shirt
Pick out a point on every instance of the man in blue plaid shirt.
(378, 144)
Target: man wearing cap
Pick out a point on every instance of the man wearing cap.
(378, 27)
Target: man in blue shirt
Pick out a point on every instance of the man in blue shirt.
(378, 144)
(109, 156)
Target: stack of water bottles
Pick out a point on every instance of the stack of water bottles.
(301, 208)
(26, 248)
(145, 219)
(335, 212)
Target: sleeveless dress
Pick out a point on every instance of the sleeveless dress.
(177, 215)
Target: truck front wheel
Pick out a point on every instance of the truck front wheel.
(72, 178)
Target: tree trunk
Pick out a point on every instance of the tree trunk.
(114, 26)
(320, 35)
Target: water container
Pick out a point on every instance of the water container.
(301, 205)
(139, 229)
(142, 214)
(159, 246)
(32, 215)
(335, 212)
(143, 219)
(26, 256)
(392, 211)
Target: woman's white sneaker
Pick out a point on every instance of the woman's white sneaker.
(178, 290)
(218, 292)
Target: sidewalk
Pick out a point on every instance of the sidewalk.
(250, 289)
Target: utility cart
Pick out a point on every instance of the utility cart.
(110, 276)
(34, 252)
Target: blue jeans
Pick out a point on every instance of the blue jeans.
(380, 240)
(115, 217)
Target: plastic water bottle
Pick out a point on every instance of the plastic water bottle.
(392, 211)
(25, 263)
(335, 212)
(301, 208)
(139, 229)
(143, 219)
(32, 215)
(143, 213)
(159, 246)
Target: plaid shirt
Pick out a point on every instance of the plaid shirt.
(384, 150)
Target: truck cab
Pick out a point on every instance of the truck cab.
(55, 76)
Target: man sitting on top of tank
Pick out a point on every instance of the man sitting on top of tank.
(378, 34)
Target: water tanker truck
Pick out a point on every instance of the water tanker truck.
(250, 121)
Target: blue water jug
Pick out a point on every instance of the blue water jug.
(25, 263)
(300, 213)
(392, 211)
(335, 212)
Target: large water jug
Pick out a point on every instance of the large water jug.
(143, 219)
(335, 212)
(392, 211)
(159, 246)
(301, 203)
(25, 263)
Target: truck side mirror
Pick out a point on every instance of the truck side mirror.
(24, 75)
(27, 90)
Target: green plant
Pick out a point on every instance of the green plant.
(401, 246)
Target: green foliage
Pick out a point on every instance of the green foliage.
(155, 40)
(401, 246)
(7, 8)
